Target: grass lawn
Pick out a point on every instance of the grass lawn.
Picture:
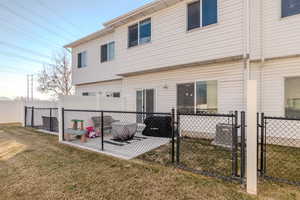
(35, 166)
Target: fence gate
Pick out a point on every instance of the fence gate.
(279, 149)
(211, 144)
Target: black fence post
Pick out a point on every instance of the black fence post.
(173, 135)
(50, 124)
(243, 144)
(262, 147)
(102, 132)
(25, 117)
(32, 116)
(235, 145)
(178, 139)
(63, 123)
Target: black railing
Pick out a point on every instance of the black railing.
(210, 144)
(125, 133)
(41, 118)
(279, 148)
(195, 142)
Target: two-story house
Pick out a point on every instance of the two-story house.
(195, 55)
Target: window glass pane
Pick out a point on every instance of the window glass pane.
(210, 12)
(207, 96)
(290, 7)
(111, 51)
(79, 57)
(185, 98)
(83, 59)
(103, 53)
(194, 15)
(133, 35)
(145, 31)
(116, 94)
(85, 94)
(292, 97)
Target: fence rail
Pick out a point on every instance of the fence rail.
(184, 139)
(41, 118)
(279, 148)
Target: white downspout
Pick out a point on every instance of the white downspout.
(262, 54)
(246, 48)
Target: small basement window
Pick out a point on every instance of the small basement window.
(116, 95)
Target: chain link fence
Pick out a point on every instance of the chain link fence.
(279, 149)
(42, 118)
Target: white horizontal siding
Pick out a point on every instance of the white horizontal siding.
(111, 86)
(228, 75)
(172, 45)
(274, 73)
(95, 70)
(282, 35)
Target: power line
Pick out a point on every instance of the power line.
(23, 57)
(28, 35)
(30, 21)
(44, 18)
(58, 15)
(24, 49)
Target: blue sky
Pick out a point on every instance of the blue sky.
(32, 30)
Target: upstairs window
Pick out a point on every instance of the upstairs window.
(202, 13)
(81, 60)
(108, 52)
(139, 33)
(145, 31)
(290, 7)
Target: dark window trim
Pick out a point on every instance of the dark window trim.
(106, 57)
(201, 16)
(138, 33)
(285, 15)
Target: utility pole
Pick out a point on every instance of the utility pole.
(30, 87)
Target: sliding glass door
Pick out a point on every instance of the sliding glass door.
(145, 102)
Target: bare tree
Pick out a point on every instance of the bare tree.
(55, 78)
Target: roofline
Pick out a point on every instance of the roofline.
(110, 26)
(90, 37)
(180, 66)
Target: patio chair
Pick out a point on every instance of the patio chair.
(107, 123)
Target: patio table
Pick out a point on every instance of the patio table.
(123, 130)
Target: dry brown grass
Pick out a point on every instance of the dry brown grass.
(36, 166)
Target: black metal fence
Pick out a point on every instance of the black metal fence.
(279, 149)
(42, 118)
(212, 144)
(122, 133)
